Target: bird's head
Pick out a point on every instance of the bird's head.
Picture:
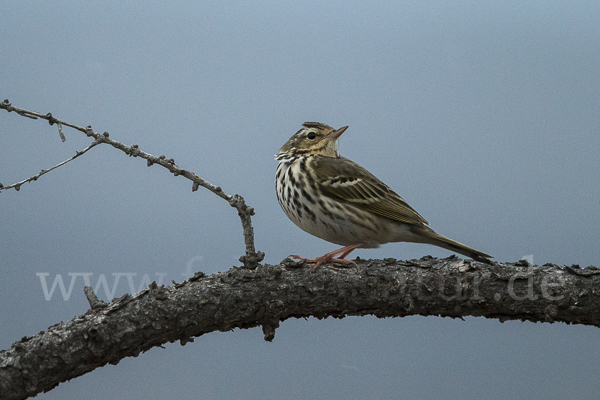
(314, 138)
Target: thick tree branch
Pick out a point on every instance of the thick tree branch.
(242, 298)
(252, 257)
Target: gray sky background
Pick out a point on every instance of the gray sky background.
(484, 116)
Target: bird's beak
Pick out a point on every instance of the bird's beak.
(336, 134)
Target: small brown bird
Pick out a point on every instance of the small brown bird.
(337, 200)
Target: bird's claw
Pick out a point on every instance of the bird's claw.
(323, 259)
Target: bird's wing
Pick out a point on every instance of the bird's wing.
(345, 180)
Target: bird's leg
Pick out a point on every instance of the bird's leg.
(348, 250)
(329, 257)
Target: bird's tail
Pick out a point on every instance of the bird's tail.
(452, 245)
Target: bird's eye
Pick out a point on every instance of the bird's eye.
(311, 135)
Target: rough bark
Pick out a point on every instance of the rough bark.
(243, 298)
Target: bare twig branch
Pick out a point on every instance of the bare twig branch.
(270, 294)
(17, 186)
(250, 259)
(60, 132)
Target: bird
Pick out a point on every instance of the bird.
(335, 199)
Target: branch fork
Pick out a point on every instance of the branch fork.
(252, 257)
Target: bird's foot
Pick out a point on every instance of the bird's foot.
(322, 260)
(330, 257)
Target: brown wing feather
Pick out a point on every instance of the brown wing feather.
(344, 180)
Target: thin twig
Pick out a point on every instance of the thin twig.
(252, 257)
(17, 186)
